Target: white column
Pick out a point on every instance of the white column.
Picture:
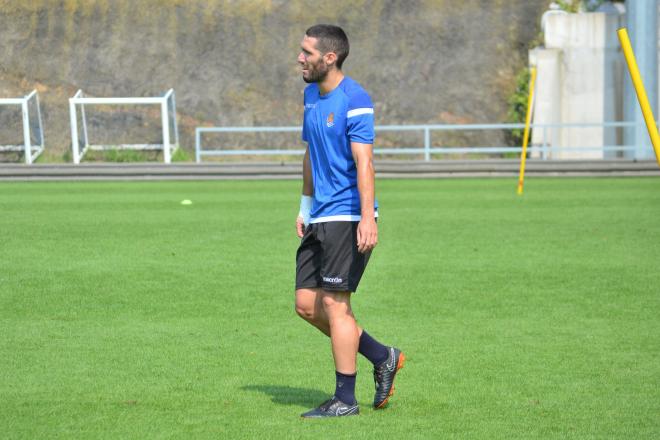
(74, 131)
(26, 132)
(166, 131)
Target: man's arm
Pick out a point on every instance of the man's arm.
(367, 233)
(308, 185)
(307, 191)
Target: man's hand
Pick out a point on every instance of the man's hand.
(367, 235)
(300, 227)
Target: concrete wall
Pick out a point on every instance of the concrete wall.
(580, 72)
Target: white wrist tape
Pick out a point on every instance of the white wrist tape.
(305, 208)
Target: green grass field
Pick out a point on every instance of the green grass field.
(124, 314)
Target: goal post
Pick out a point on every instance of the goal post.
(32, 127)
(170, 131)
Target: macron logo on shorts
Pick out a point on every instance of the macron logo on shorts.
(332, 280)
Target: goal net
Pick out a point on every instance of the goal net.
(110, 120)
(21, 128)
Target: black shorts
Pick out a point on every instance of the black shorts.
(328, 257)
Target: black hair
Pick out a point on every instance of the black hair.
(330, 39)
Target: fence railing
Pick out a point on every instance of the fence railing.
(544, 148)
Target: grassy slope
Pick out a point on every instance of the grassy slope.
(126, 315)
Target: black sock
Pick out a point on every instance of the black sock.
(372, 349)
(345, 388)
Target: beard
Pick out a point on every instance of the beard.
(316, 73)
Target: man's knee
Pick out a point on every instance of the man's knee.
(305, 312)
(306, 305)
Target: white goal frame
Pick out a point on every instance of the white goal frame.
(31, 151)
(168, 119)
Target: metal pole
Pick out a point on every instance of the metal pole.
(41, 124)
(176, 128)
(641, 93)
(528, 121)
(26, 133)
(642, 24)
(74, 131)
(166, 131)
(84, 124)
(427, 144)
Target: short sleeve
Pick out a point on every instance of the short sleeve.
(360, 119)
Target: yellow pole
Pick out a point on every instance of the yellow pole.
(641, 92)
(528, 121)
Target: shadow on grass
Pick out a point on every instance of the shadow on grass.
(286, 395)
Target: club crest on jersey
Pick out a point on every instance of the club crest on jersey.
(330, 121)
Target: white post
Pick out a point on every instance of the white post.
(84, 124)
(74, 131)
(427, 144)
(41, 124)
(26, 133)
(166, 131)
(176, 128)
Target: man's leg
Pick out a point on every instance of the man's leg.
(330, 248)
(309, 306)
(344, 334)
(344, 337)
(331, 313)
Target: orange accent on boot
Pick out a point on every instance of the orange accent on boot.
(399, 365)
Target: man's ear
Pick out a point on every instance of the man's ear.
(330, 58)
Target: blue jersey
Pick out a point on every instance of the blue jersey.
(331, 122)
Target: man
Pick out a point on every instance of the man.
(337, 220)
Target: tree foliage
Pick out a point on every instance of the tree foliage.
(518, 104)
